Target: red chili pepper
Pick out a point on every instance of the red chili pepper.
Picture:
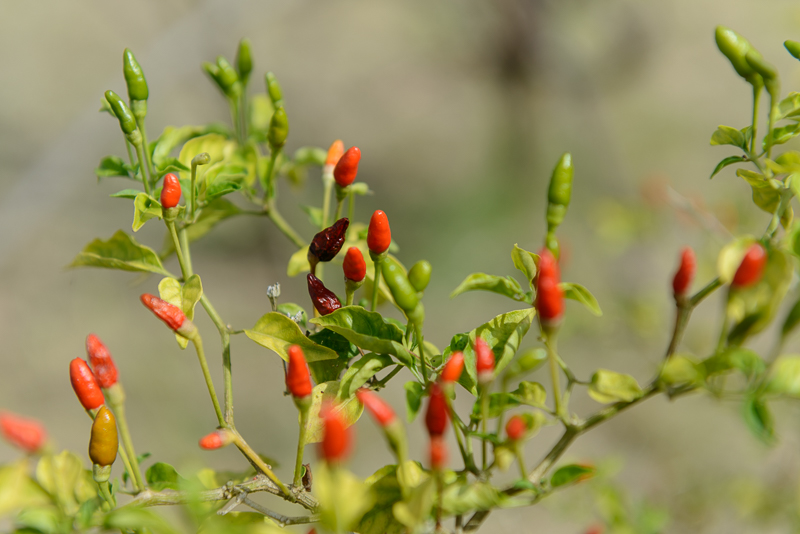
(751, 268)
(334, 153)
(216, 440)
(484, 361)
(438, 453)
(327, 243)
(336, 436)
(516, 428)
(171, 315)
(379, 409)
(324, 300)
(347, 167)
(298, 381)
(379, 235)
(171, 192)
(103, 363)
(436, 416)
(685, 274)
(27, 434)
(452, 369)
(549, 296)
(354, 266)
(85, 385)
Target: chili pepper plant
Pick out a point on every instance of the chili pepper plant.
(339, 351)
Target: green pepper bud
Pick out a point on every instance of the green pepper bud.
(274, 90)
(244, 60)
(134, 77)
(228, 77)
(793, 47)
(420, 275)
(404, 294)
(767, 71)
(735, 47)
(213, 73)
(278, 128)
(123, 113)
(560, 191)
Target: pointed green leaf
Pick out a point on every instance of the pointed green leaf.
(759, 419)
(145, 208)
(782, 135)
(682, 369)
(527, 362)
(161, 476)
(327, 392)
(609, 386)
(725, 135)
(525, 261)
(184, 297)
(113, 166)
(785, 376)
(414, 394)
(171, 138)
(126, 193)
(488, 282)
(360, 372)
(730, 160)
(570, 474)
(579, 293)
(277, 332)
(120, 252)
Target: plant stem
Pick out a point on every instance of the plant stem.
(484, 400)
(146, 146)
(521, 460)
(756, 98)
(283, 226)
(256, 460)
(554, 378)
(125, 434)
(130, 152)
(376, 282)
(142, 164)
(352, 206)
(706, 291)
(327, 184)
(421, 344)
(786, 198)
(339, 203)
(107, 494)
(298, 464)
(193, 193)
(227, 374)
(185, 267)
(198, 345)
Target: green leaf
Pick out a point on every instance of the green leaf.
(788, 105)
(277, 332)
(218, 147)
(310, 155)
(130, 518)
(527, 362)
(211, 215)
(367, 330)
(61, 475)
(343, 498)
(42, 520)
(759, 419)
(120, 252)
(681, 369)
(730, 160)
(466, 496)
(327, 370)
(145, 208)
(414, 394)
(360, 372)
(488, 282)
(161, 476)
(172, 137)
(298, 262)
(314, 217)
(503, 334)
(782, 135)
(725, 135)
(608, 386)
(290, 309)
(730, 257)
(113, 166)
(414, 511)
(570, 474)
(785, 376)
(171, 165)
(735, 358)
(220, 188)
(327, 392)
(791, 321)
(525, 261)
(581, 294)
(18, 490)
(126, 193)
(385, 490)
(184, 297)
(530, 393)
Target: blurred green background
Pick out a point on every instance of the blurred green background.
(460, 109)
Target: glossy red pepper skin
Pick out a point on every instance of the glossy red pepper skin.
(27, 434)
(685, 273)
(85, 385)
(516, 428)
(379, 234)
(436, 416)
(298, 380)
(437, 453)
(752, 267)
(102, 362)
(327, 243)
(453, 368)
(354, 266)
(336, 436)
(380, 410)
(171, 192)
(335, 153)
(484, 360)
(549, 296)
(347, 167)
(216, 440)
(324, 300)
(171, 315)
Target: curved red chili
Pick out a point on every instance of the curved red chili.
(347, 167)
(437, 453)
(549, 296)
(380, 410)
(436, 416)
(102, 362)
(85, 385)
(516, 428)
(484, 360)
(171, 192)
(171, 315)
(298, 381)
(27, 434)
(334, 153)
(685, 273)
(453, 368)
(752, 267)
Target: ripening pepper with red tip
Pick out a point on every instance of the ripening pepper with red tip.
(685, 273)
(549, 296)
(27, 434)
(216, 440)
(335, 153)
(171, 192)
(379, 235)
(752, 267)
(172, 316)
(484, 361)
(347, 167)
(104, 369)
(85, 385)
(436, 416)
(323, 299)
(516, 428)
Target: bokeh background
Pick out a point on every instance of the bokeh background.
(461, 109)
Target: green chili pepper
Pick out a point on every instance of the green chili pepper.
(278, 128)
(403, 292)
(420, 275)
(767, 71)
(122, 112)
(793, 47)
(228, 77)
(274, 90)
(735, 47)
(244, 60)
(560, 191)
(134, 77)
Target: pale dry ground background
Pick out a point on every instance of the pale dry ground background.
(460, 108)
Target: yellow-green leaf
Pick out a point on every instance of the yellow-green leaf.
(277, 332)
